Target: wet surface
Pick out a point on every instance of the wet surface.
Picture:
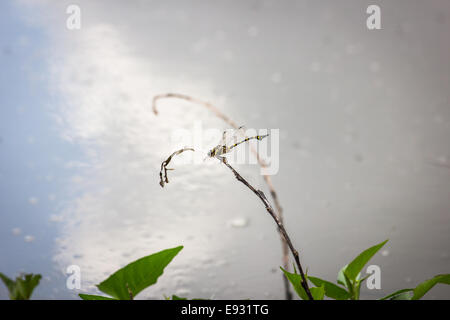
(364, 120)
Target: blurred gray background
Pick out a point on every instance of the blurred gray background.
(364, 121)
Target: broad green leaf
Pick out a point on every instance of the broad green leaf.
(26, 284)
(420, 290)
(351, 286)
(345, 281)
(94, 297)
(341, 277)
(426, 286)
(399, 295)
(318, 292)
(355, 267)
(9, 283)
(138, 275)
(22, 287)
(402, 296)
(296, 281)
(331, 290)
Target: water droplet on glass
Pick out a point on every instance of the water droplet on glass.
(29, 238)
(16, 231)
(239, 223)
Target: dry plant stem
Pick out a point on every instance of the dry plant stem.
(163, 173)
(267, 179)
(280, 225)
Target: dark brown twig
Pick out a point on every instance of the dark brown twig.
(261, 195)
(267, 178)
(163, 173)
(280, 225)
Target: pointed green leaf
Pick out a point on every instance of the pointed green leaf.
(331, 290)
(341, 277)
(296, 281)
(355, 267)
(402, 296)
(399, 295)
(351, 286)
(138, 275)
(345, 281)
(318, 292)
(426, 286)
(94, 297)
(26, 284)
(22, 287)
(9, 283)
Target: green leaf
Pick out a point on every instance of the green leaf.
(26, 284)
(402, 296)
(357, 289)
(175, 297)
(399, 295)
(345, 281)
(23, 287)
(9, 283)
(296, 281)
(331, 290)
(318, 292)
(426, 286)
(138, 275)
(351, 286)
(420, 290)
(94, 297)
(355, 267)
(341, 277)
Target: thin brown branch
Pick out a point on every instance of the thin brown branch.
(280, 225)
(163, 173)
(267, 178)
